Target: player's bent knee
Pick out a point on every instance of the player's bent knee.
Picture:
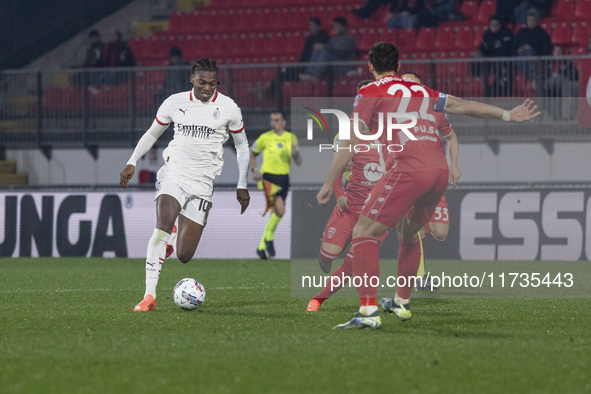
(184, 257)
(439, 232)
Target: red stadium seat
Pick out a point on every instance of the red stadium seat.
(477, 37)
(406, 39)
(276, 44)
(580, 34)
(425, 39)
(464, 38)
(369, 37)
(390, 35)
(469, 9)
(583, 10)
(561, 34)
(241, 46)
(257, 45)
(220, 51)
(294, 43)
(262, 20)
(52, 98)
(546, 26)
(344, 87)
(563, 10)
(72, 98)
(444, 38)
(580, 50)
(485, 11)
(227, 21)
(136, 45)
(176, 24)
(299, 19)
(245, 20)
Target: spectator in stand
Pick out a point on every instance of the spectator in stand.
(317, 36)
(532, 40)
(176, 77)
(562, 81)
(93, 53)
(521, 11)
(340, 47)
(410, 13)
(496, 42)
(370, 6)
(445, 10)
(116, 53)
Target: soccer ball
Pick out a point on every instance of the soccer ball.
(188, 294)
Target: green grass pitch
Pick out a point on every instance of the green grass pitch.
(67, 326)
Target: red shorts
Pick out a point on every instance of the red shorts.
(339, 229)
(399, 191)
(441, 213)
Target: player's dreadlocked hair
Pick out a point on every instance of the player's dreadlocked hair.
(205, 64)
(384, 57)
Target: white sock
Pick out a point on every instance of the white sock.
(401, 301)
(368, 310)
(154, 260)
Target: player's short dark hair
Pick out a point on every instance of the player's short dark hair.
(417, 76)
(283, 116)
(384, 57)
(341, 21)
(93, 33)
(315, 20)
(364, 83)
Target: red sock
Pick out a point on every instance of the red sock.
(366, 264)
(409, 258)
(344, 271)
(324, 255)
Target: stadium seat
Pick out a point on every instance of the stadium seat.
(177, 22)
(136, 45)
(580, 34)
(561, 33)
(227, 21)
(580, 50)
(241, 46)
(344, 87)
(294, 43)
(425, 39)
(444, 38)
(406, 38)
(477, 37)
(368, 38)
(469, 9)
(221, 48)
(485, 11)
(390, 35)
(546, 26)
(276, 44)
(583, 10)
(563, 10)
(298, 19)
(52, 98)
(72, 98)
(245, 20)
(464, 38)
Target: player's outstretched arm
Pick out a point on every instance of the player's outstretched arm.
(454, 151)
(243, 158)
(341, 158)
(521, 113)
(142, 147)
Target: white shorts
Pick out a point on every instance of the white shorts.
(193, 196)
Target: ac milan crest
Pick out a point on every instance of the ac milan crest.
(331, 232)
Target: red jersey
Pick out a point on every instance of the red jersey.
(391, 95)
(365, 172)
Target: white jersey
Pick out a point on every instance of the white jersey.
(200, 130)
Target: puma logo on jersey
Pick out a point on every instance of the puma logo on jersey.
(183, 110)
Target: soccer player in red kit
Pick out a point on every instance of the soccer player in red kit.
(365, 170)
(416, 176)
(438, 226)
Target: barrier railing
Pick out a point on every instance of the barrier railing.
(112, 107)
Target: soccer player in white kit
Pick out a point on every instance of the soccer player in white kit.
(203, 120)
